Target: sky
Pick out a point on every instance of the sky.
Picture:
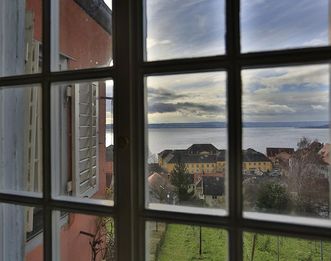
(196, 97)
(298, 93)
(191, 28)
(109, 3)
(194, 28)
(109, 103)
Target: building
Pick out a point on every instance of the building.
(79, 120)
(273, 152)
(280, 157)
(198, 158)
(205, 158)
(254, 161)
(213, 191)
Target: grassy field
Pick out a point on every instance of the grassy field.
(181, 243)
(266, 248)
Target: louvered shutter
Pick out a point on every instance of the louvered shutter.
(33, 137)
(85, 139)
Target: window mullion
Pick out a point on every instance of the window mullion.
(123, 129)
(234, 128)
(46, 123)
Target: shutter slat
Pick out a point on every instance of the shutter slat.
(86, 185)
(86, 139)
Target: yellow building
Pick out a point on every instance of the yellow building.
(254, 160)
(206, 158)
(198, 158)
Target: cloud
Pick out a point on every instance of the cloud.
(318, 108)
(151, 42)
(156, 95)
(286, 93)
(282, 24)
(312, 77)
(315, 42)
(185, 107)
(162, 108)
(200, 107)
(267, 109)
(177, 28)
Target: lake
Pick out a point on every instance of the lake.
(256, 138)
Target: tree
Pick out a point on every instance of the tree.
(306, 179)
(181, 180)
(273, 197)
(102, 242)
(304, 143)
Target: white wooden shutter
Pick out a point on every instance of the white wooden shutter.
(85, 139)
(33, 138)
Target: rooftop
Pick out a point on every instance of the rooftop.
(213, 185)
(99, 11)
(251, 155)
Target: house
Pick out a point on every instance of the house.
(254, 161)
(280, 158)
(198, 158)
(206, 158)
(273, 152)
(213, 191)
(84, 170)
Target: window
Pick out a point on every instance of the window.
(89, 89)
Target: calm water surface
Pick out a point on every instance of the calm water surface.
(256, 138)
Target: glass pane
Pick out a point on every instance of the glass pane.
(20, 43)
(82, 140)
(187, 142)
(82, 34)
(21, 139)
(261, 247)
(184, 29)
(21, 233)
(83, 237)
(185, 242)
(286, 140)
(283, 24)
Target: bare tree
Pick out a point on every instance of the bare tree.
(306, 179)
(102, 242)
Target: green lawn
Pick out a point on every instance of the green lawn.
(181, 243)
(266, 248)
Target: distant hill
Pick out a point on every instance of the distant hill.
(326, 126)
(298, 124)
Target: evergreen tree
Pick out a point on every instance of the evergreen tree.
(273, 197)
(181, 179)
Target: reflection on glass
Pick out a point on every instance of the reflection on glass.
(260, 247)
(283, 24)
(185, 242)
(21, 139)
(184, 29)
(82, 32)
(83, 237)
(20, 44)
(82, 148)
(286, 140)
(21, 233)
(186, 152)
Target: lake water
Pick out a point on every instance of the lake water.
(256, 138)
